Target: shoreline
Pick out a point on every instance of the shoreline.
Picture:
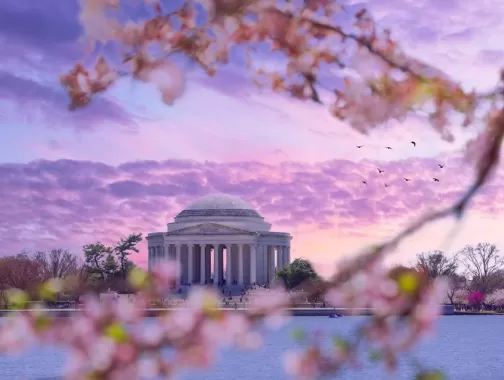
(296, 312)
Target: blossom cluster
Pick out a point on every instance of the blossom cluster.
(404, 308)
(380, 81)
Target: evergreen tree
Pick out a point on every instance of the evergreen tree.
(95, 256)
(124, 248)
(110, 266)
(296, 273)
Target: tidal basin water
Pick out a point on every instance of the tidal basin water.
(464, 347)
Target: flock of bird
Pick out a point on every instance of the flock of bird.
(380, 171)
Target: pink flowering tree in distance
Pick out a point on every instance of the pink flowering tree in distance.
(475, 299)
(496, 298)
(313, 42)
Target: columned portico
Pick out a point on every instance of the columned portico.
(220, 239)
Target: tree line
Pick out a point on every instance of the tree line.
(475, 268)
(97, 268)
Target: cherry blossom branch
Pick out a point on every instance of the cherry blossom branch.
(361, 41)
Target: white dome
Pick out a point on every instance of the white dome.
(219, 205)
(219, 202)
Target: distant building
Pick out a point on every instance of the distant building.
(219, 223)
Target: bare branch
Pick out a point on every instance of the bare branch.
(484, 266)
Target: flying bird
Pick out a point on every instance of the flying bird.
(386, 185)
(407, 179)
(364, 182)
(440, 166)
(387, 147)
(414, 143)
(380, 171)
(436, 180)
(360, 146)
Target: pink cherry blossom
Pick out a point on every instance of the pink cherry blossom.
(299, 365)
(16, 333)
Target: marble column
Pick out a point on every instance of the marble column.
(190, 263)
(203, 266)
(264, 265)
(240, 264)
(179, 263)
(149, 259)
(287, 256)
(271, 263)
(279, 257)
(216, 264)
(229, 267)
(221, 262)
(208, 259)
(253, 271)
(266, 250)
(259, 271)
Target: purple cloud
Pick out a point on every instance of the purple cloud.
(50, 29)
(65, 202)
(40, 24)
(50, 104)
(39, 40)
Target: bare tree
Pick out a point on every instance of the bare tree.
(436, 264)
(78, 281)
(483, 265)
(456, 283)
(19, 272)
(56, 263)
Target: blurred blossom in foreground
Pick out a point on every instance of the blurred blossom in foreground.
(113, 340)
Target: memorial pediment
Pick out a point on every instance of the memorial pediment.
(208, 229)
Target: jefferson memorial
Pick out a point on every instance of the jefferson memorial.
(221, 239)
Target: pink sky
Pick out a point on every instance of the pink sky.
(68, 179)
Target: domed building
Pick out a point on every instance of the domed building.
(220, 239)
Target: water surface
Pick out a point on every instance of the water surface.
(465, 347)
